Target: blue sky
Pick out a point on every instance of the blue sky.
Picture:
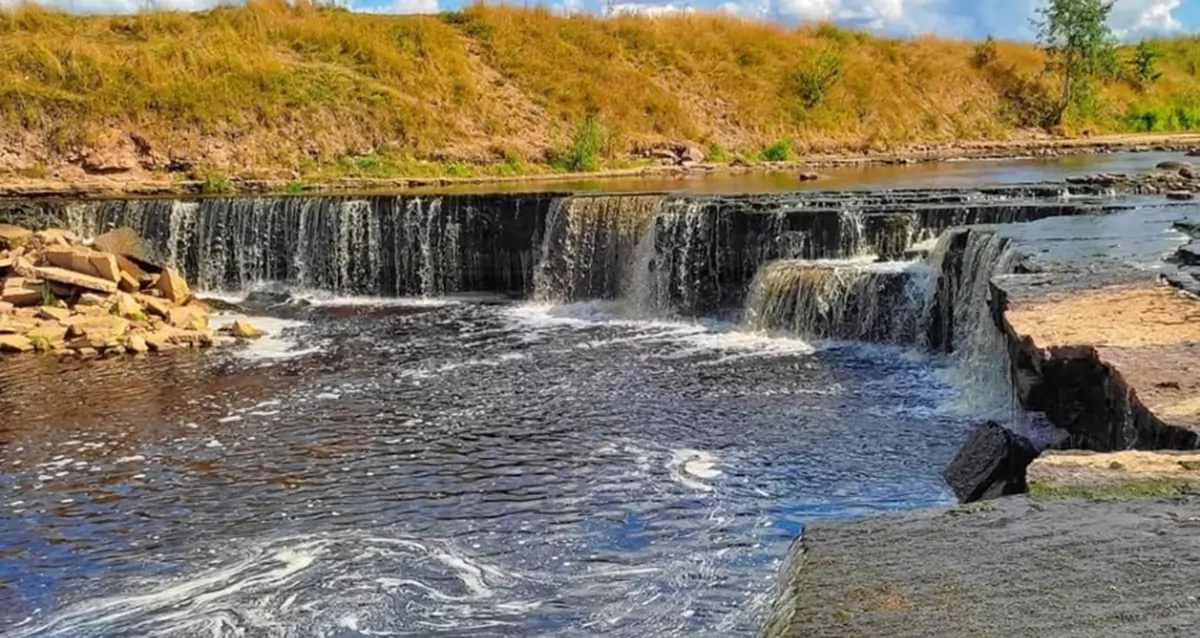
(1131, 19)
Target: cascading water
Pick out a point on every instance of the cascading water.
(856, 300)
(381, 245)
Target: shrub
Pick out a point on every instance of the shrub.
(295, 186)
(780, 151)
(587, 145)
(717, 154)
(814, 78)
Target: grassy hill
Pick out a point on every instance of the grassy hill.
(273, 89)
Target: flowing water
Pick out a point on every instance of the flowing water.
(501, 416)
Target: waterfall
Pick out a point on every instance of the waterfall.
(593, 247)
(383, 245)
(859, 301)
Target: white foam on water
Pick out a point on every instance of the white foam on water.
(693, 337)
(687, 465)
(273, 345)
(316, 585)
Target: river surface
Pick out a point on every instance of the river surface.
(457, 467)
(953, 174)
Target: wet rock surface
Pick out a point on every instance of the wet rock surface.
(1013, 567)
(991, 464)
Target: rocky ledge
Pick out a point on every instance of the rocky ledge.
(1020, 566)
(60, 295)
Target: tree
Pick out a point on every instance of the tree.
(1143, 65)
(1076, 36)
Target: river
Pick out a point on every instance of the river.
(559, 462)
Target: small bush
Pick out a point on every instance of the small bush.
(587, 145)
(295, 186)
(1161, 120)
(215, 185)
(814, 78)
(780, 151)
(717, 154)
(460, 169)
(986, 53)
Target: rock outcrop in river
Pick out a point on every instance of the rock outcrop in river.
(59, 295)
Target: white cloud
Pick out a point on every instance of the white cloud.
(1133, 19)
(647, 9)
(123, 6)
(400, 6)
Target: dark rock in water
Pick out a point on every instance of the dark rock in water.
(1181, 195)
(1195, 152)
(990, 464)
(1171, 165)
(1189, 254)
(1188, 226)
(220, 305)
(1187, 172)
(266, 299)
(809, 177)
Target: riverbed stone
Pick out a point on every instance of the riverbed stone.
(172, 286)
(20, 291)
(1180, 195)
(15, 343)
(243, 330)
(56, 237)
(47, 336)
(54, 313)
(155, 306)
(187, 318)
(1189, 254)
(5, 308)
(1172, 165)
(74, 278)
(14, 236)
(136, 344)
(128, 283)
(121, 241)
(990, 464)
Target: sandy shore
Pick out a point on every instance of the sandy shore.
(142, 184)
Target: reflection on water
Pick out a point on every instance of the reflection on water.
(464, 469)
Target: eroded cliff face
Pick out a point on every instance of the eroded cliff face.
(1112, 368)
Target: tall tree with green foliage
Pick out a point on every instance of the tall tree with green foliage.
(1076, 36)
(1143, 66)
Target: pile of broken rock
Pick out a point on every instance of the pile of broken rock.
(59, 295)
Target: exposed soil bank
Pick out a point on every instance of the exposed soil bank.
(1014, 567)
(136, 182)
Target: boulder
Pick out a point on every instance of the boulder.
(19, 291)
(809, 176)
(172, 286)
(62, 275)
(131, 268)
(1172, 165)
(136, 344)
(128, 283)
(1189, 254)
(187, 318)
(1187, 172)
(91, 299)
(155, 306)
(47, 336)
(121, 241)
(160, 339)
(15, 343)
(243, 330)
(53, 313)
(14, 236)
(125, 305)
(56, 237)
(689, 153)
(990, 464)
(1180, 195)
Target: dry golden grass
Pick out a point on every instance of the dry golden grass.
(276, 88)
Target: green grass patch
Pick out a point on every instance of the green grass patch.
(1151, 488)
(1161, 120)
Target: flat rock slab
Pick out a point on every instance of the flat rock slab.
(1148, 332)
(1006, 568)
(1070, 468)
(62, 275)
